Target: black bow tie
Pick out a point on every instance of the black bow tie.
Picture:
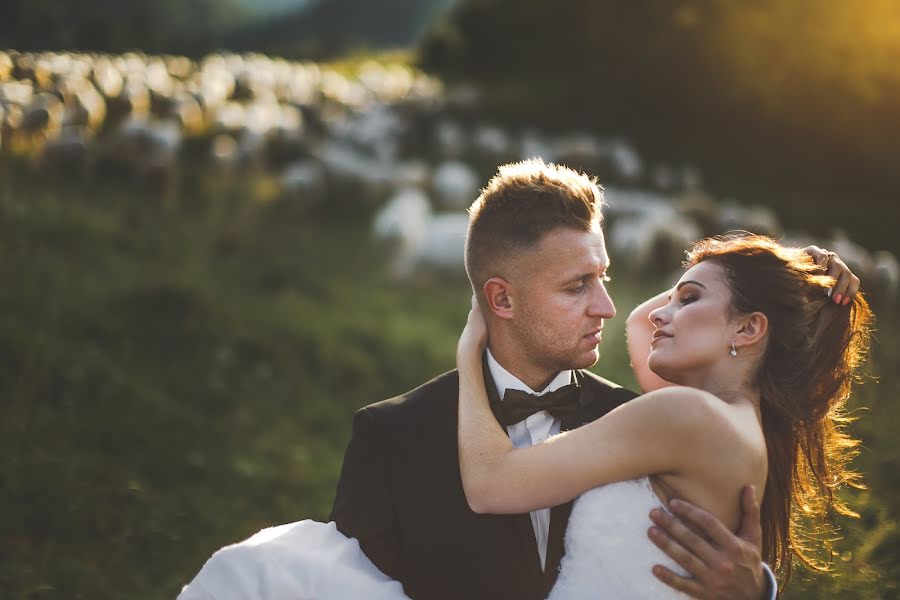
(518, 405)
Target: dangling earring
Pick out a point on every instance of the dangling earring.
(733, 349)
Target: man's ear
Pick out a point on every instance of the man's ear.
(498, 294)
(753, 330)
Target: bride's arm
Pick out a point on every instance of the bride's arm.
(639, 333)
(481, 438)
(636, 439)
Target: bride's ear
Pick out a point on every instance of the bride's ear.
(498, 293)
(752, 330)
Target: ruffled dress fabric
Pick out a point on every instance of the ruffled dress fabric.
(608, 555)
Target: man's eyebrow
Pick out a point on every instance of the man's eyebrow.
(586, 275)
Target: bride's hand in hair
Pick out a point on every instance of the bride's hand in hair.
(847, 283)
(473, 339)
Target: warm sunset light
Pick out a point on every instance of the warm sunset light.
(231, 229)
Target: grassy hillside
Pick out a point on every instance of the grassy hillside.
(177, 373)
(177, 376)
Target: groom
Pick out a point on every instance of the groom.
(400, 493)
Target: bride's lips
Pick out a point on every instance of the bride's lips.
(658, 335)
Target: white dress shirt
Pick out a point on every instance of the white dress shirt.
(533, 430)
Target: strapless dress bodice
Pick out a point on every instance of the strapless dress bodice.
(608, 553)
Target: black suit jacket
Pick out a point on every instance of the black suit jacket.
(400, 494)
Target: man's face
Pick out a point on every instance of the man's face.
(560, 299)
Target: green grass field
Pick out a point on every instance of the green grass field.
(178, 372)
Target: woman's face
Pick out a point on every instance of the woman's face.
(694, 330)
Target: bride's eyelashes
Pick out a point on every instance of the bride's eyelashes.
(686, 299)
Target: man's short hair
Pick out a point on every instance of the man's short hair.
(521, 203)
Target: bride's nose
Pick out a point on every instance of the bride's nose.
(657, 316)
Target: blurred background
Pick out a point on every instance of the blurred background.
(226, 225)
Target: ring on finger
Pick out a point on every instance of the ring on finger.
(825, 259)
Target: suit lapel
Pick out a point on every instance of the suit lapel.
(559, 520)
(590, 406)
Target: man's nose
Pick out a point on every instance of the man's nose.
(602, 305)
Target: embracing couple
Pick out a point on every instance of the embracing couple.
(521, 476)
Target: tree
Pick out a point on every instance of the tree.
(764, 95)
(155, 26)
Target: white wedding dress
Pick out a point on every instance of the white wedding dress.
(608, 555)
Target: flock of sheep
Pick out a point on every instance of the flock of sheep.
(387, 137)
(137, 112)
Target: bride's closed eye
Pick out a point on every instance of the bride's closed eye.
(686, 299)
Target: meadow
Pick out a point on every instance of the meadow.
(178, 372)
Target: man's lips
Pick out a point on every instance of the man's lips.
(594, 334)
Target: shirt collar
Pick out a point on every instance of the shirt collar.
(504, 380)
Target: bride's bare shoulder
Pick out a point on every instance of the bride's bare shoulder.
(693, 403)
(720, 448)
(682, 406)
(705, 421)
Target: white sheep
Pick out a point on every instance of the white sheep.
(6, 66)
(455, 185)
(578, 150)
(71, 151)
(420, 237)
(305, 181)
(492, 143)
(648, 233)
(533, 145)
(625, 159)
(753, 217)
(43, 117)
(885, 277)
(450, 139)
(349, 167)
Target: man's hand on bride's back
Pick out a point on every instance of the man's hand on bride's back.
(721, 564)
(473, 339)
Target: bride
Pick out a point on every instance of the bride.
(762, 360)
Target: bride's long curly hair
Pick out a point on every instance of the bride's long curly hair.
(814, 351)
